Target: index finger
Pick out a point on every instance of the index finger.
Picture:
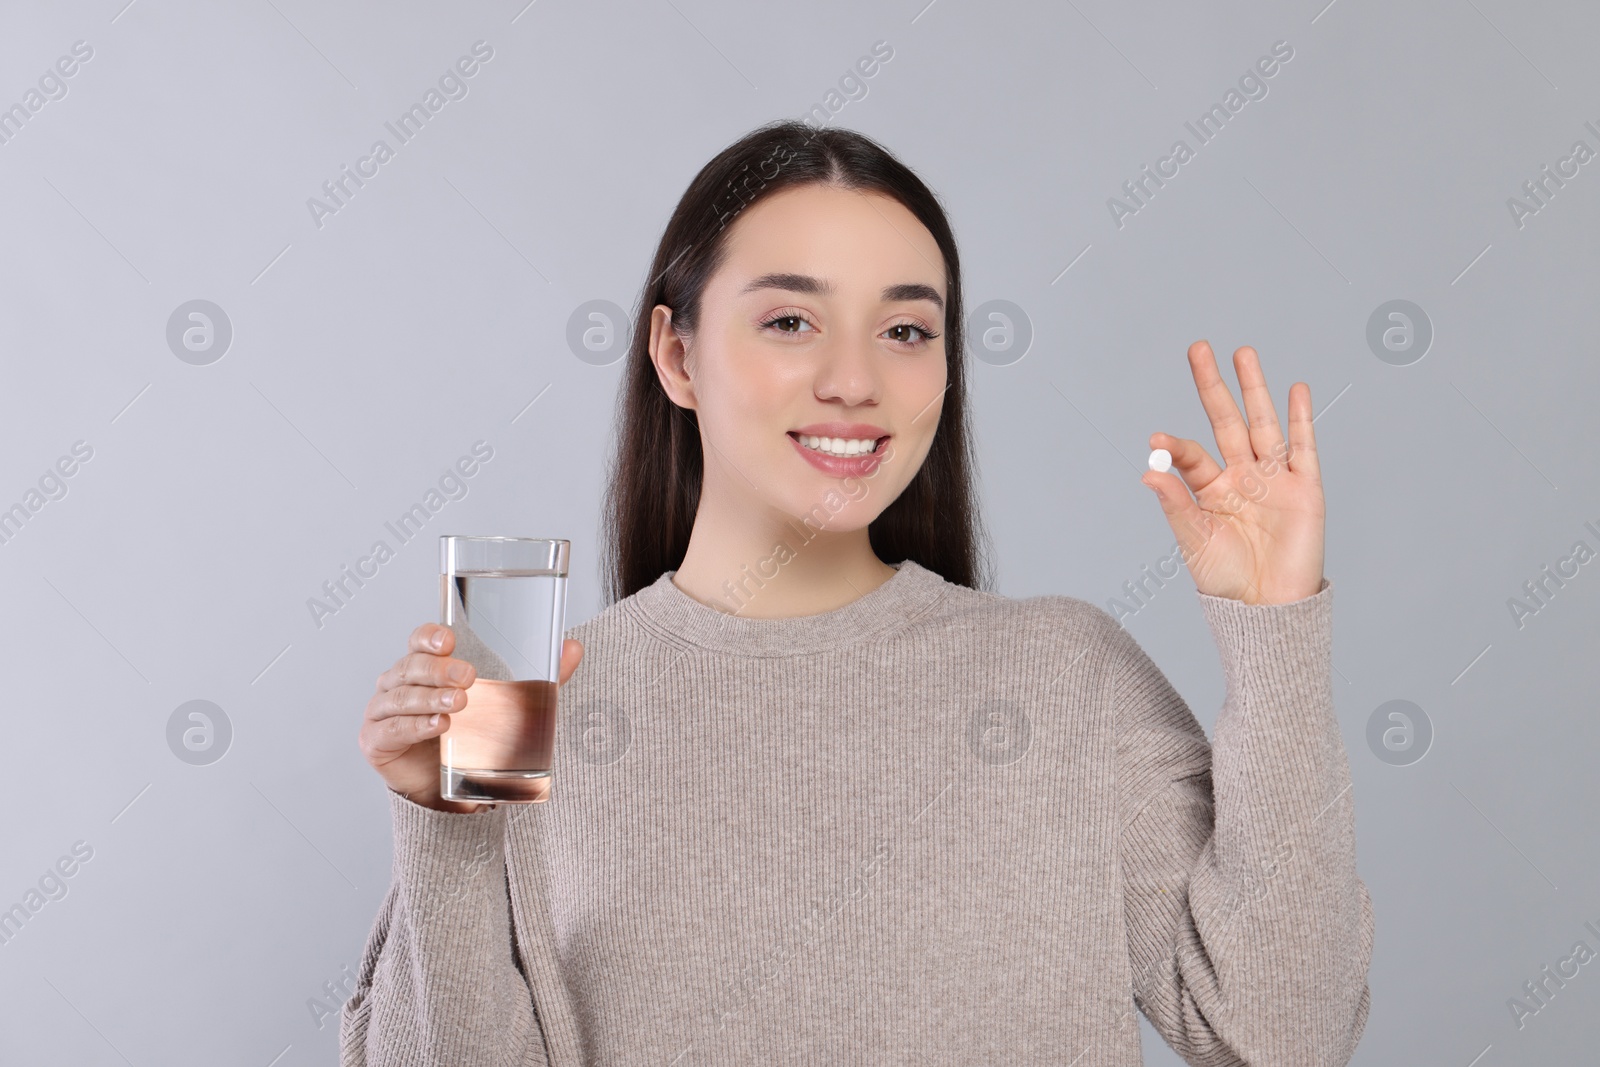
(424, 636)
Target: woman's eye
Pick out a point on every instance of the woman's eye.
(921, 334)
(787, 323)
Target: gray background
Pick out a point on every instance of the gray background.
(432, 311)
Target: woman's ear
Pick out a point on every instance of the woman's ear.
(669, 354)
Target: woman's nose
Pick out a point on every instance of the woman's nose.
(848, 370)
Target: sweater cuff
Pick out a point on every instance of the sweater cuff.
(438, 854)
(1277, 743)
(1273, 650)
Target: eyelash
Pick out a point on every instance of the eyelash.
(788, 313)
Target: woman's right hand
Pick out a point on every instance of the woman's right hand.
(397, 736)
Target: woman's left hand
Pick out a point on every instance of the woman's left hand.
(1253, 531)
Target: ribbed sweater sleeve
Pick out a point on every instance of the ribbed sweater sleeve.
(440, 982)
(1249, 931)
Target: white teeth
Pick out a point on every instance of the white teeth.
(838, 446)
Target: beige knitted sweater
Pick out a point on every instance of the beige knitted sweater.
(934, 826)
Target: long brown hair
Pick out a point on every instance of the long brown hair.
(655, 473)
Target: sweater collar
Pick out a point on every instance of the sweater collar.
(679, 617)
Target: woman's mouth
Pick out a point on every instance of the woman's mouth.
(841, 456)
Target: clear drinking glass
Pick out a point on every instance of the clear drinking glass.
(506, 600)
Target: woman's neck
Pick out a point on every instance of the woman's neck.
(776, 574)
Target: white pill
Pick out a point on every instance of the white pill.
(1161, 460)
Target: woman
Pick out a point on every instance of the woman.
(834, 802)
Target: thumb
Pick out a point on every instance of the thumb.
(1189, 521)
(571, 655)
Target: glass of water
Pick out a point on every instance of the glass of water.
(506, 600)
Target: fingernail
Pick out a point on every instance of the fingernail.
(433, 720)
(437, 640)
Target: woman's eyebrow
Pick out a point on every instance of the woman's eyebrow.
(805, 283)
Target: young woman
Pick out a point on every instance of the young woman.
(823, 799)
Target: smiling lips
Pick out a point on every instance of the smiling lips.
(841, 456)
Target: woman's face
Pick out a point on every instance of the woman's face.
(825, 320)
